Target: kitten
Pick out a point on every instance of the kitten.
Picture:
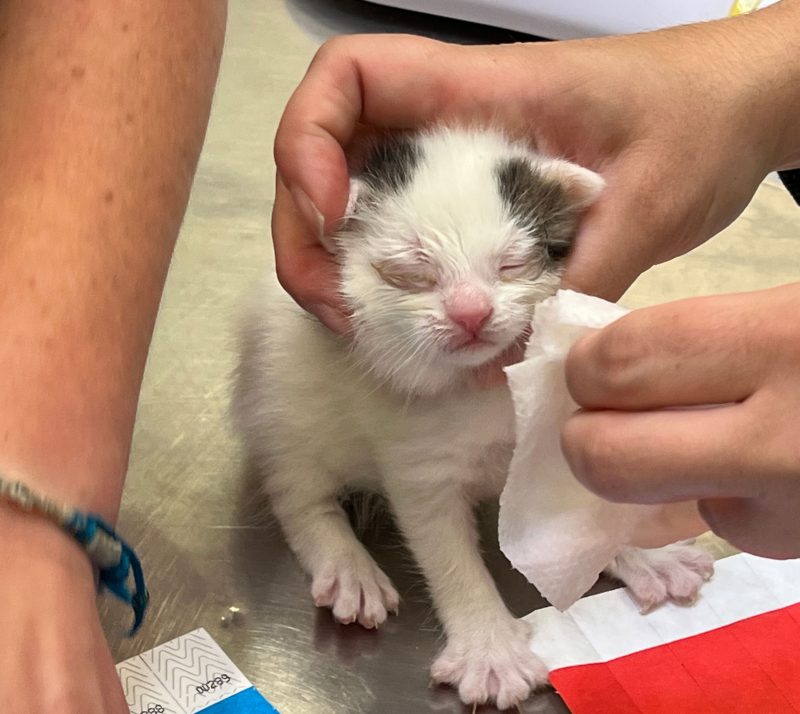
(452, 237)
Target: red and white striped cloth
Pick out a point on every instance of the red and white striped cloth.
(736, 651)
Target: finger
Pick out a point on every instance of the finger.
(607, 256)
(663, 456)
(691, 352)
(622, 234)
(768, 527)
(344, 86)
(634, 224)
(679, 521)
(305, 269)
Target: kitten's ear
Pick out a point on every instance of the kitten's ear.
(581, 185)
(356, 188)
(329, 242)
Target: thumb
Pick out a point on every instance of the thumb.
(610, 250)
(309, 155)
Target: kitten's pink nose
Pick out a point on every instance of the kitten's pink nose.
(469, 307)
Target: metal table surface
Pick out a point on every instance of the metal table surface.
(192, 507)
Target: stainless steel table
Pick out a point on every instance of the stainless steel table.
(192, 507)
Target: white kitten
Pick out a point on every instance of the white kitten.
(452, 238)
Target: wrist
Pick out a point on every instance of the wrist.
(74, 464)
(742, 78)
(115, 562)
(35, 553)
(770, 67)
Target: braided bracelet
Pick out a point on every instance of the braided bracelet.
(114, 559)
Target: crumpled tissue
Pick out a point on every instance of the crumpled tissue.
(558, 534)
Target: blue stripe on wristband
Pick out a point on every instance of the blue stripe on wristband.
(114, 559)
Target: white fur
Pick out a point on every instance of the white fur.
(656, 575)
(394, 411)
(452, 216)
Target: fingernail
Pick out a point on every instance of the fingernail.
(312, 215)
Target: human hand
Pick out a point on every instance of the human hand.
(53, 655)
(683, 124)
(741, 459)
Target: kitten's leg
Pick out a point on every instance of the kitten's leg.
(487, 655)
(655, 575)
(344, 576)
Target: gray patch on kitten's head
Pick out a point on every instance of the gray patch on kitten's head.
(445, 221)
(390, 164)
(539, 205)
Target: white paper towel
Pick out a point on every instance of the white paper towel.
(552, 529)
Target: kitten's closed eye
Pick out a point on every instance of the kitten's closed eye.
(405, 277)
(520, 265)
(512, 271)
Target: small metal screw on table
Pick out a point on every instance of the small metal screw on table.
(233, 615)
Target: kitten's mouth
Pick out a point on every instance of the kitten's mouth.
(467, 343)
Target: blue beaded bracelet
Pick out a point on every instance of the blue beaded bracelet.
(114, 559)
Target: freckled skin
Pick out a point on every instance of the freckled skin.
(86, 234)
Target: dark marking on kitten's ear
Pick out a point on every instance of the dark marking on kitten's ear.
(539, 205)
(390, 164)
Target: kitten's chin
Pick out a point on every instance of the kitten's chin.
(471, 356)
(438, 376)
(434, 372)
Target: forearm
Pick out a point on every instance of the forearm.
(765, 55)
(104, 109)
(745, 73)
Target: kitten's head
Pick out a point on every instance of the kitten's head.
(451, 238)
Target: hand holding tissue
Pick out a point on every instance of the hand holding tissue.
(552, 529)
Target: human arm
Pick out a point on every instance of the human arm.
(104, 108)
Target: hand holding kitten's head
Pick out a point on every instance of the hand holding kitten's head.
(451, 238)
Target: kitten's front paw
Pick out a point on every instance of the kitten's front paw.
(492, 664)
(355, 589)
(653, 576)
